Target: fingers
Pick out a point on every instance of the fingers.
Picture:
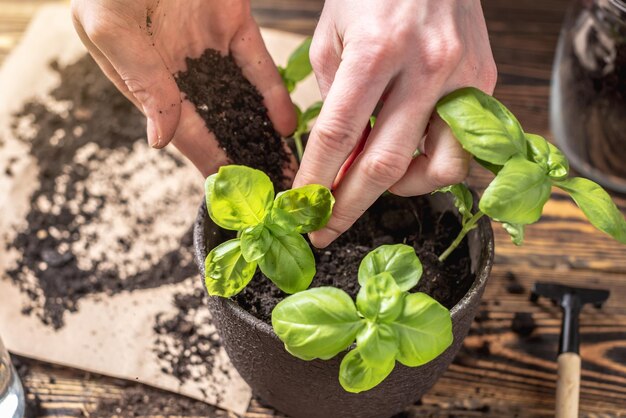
(250, 53)
(325, 54)
(358, 85)
(197, 143)
(143, 74)
(442, 163)
(383, 161)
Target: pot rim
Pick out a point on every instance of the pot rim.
(474, 292)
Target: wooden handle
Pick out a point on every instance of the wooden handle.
(568, 386)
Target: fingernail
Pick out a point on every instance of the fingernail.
(154, 138)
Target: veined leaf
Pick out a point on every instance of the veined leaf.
(226, 271)
(305, 209)
(597, 206)
(424, 330)
(483, 125)
(289, 262)
(239, 196)
(518, 193)
(399, 260)
(316, 323)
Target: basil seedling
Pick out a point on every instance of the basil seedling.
(526, 167)
(388, 323)
(242, 199)
(298, 68)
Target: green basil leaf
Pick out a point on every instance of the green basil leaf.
(208, 190)
(255, 242)
(356, 375)
(538, 150)
(226, 271)
(377, 343)
(290, 85)
(299, 66)
(289, 263)
(312, 112)
(380, 299)
(463, 199)
(558, 165)
(305, 209)
(240, 197)
(483, 125)
(299, 116)
(399, 260)
(317, 323)
(516, 231)
(597, 206)
(424, 330)
(517, 194)
(494, 168)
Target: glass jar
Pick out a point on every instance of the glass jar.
(12, 403)
(588, 97)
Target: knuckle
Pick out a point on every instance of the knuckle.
(341, 221)
(317, 54)
(442, 54)
(441, 175)
(400, 190)
(385, 168)
(375, 55)
(489, 76)
(336, 136)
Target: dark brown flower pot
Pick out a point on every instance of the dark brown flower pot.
(311, 388)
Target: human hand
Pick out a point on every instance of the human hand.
(140, 44)
(406, 56)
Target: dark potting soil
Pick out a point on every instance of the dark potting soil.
(390, 220)
(233, 110)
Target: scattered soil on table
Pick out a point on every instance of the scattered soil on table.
(513, 286)
(88, 141)
(390, 220)
(523, 323)
(142, 402)
(186, 343)
(131, 399)
(233, 110)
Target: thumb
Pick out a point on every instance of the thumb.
(146, 78)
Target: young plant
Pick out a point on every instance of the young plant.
(269, 230)
(388, 323)
(298, 68)
(526, 166)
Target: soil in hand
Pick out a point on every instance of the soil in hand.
(233, 110)
(390, 220)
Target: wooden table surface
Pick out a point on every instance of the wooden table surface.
(497, 373)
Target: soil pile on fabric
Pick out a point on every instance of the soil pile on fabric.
(233, 110)
(390, 220)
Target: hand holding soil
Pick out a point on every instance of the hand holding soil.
(140, 45)
(406, 57)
